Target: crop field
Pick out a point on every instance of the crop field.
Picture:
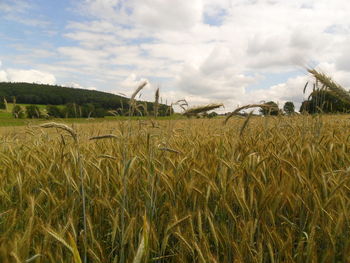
(273, 189)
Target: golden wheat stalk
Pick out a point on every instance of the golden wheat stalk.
(199, 109)
(106, 136)
(6, 106)
(61, 127)
(156, 103)
(166, 149)
(106, 156)
(139, 88)
(245, 123)
(181, 103)
(328, 83)
(132, 98)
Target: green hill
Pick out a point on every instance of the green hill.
(28, 93)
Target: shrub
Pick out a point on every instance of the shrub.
(18, 112)
(54, 111)
(2, 104)
(212, 114)
(33, 111)
(289, 107)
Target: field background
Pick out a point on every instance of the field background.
(6, 118)
(273, 189)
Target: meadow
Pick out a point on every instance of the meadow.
(272, 189)
(7, 119)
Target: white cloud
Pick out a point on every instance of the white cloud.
(74, 85)
(84, 56)
(173, 15)
(22, 75)
(3, 76)
(18, 11)
(291, 90)
(205, 50)
(204, 60)
(151, 14)
(31, 76)
(342, 77)
(78, 86)
(130, 84)
(14, 6)
(343, 58)
(196, 81)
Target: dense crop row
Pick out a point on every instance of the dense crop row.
(272, 189)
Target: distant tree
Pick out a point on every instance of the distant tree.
(304, 107)
(272, 110)
(71, 110)
(53, 111)
(100, 113)
(289, 107)
(2, 104)
(32, 111)
(87, 110)
(18, 112)
(212, 115)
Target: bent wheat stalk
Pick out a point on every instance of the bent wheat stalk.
(132, 98)
(106, 136)
(329, 84)
(249, 106)
(199, 109)
(61, 127)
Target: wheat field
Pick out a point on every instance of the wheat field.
(273, 189)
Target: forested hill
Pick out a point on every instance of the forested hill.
(29, 93)
(56, 95)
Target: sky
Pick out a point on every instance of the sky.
(205, 51)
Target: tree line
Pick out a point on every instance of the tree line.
(76, 102)
(70, 110)
(319, 101)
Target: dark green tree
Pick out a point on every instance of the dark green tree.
(2, 104)
(33, 111)
(100, 113)
(212, 115)
(71, 110)
(54, 111)
(289, 107)
(304, 107)
(88, 110)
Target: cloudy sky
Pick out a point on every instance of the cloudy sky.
(230, 51)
